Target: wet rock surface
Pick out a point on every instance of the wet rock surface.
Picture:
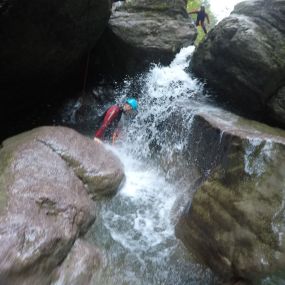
(154, 25)
(235, 224)
(141, 32)
(81, 264)
(243, 58)
(47, 176)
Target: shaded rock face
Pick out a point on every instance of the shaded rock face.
(47, 176)
(235, 224)
(42, 42)
(243, 58)
(142, 31)
(85, 114)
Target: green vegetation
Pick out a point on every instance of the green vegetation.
(193, 5)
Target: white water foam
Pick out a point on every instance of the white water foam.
(138, 224)
(165, 90)
(153, 197)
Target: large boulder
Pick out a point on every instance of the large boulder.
(243, 58)
(42, 42)
(143, 31)
(47, 176)
(235, 223)
(161, 26)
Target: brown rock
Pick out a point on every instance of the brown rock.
(46, 177)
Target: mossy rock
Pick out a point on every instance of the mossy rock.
(235, 224)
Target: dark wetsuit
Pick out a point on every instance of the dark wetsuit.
(110, 123)
(201, 16)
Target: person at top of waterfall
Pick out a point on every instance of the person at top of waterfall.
(201, 16)
(111, 124)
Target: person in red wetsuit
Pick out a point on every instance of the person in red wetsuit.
(109, 127)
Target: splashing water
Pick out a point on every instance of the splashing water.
(160, 122)
(135, 229)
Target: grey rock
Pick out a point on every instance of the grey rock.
(243, 57)
(141, 32)
(153, 30)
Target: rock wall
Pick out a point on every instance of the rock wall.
(243, 59)
(235, 223)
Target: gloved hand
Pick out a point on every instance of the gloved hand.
(97, 140)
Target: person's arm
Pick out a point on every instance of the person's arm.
(99, 133)
(193, 12)
(207, 17)
(111, 114)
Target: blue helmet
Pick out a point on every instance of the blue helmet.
(133, 103)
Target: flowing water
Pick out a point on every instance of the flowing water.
(136, 228)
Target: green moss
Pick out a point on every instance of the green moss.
(5, 160)
(3, 201)
(97, 185)
(76, 167)
(251, 206)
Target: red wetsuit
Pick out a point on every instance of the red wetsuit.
(110, 122)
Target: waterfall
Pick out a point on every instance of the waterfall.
(135, 229)
(165, 90)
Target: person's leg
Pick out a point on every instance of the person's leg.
(204, 27)
(197, 22)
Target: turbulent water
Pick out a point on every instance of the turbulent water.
(135, 229)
